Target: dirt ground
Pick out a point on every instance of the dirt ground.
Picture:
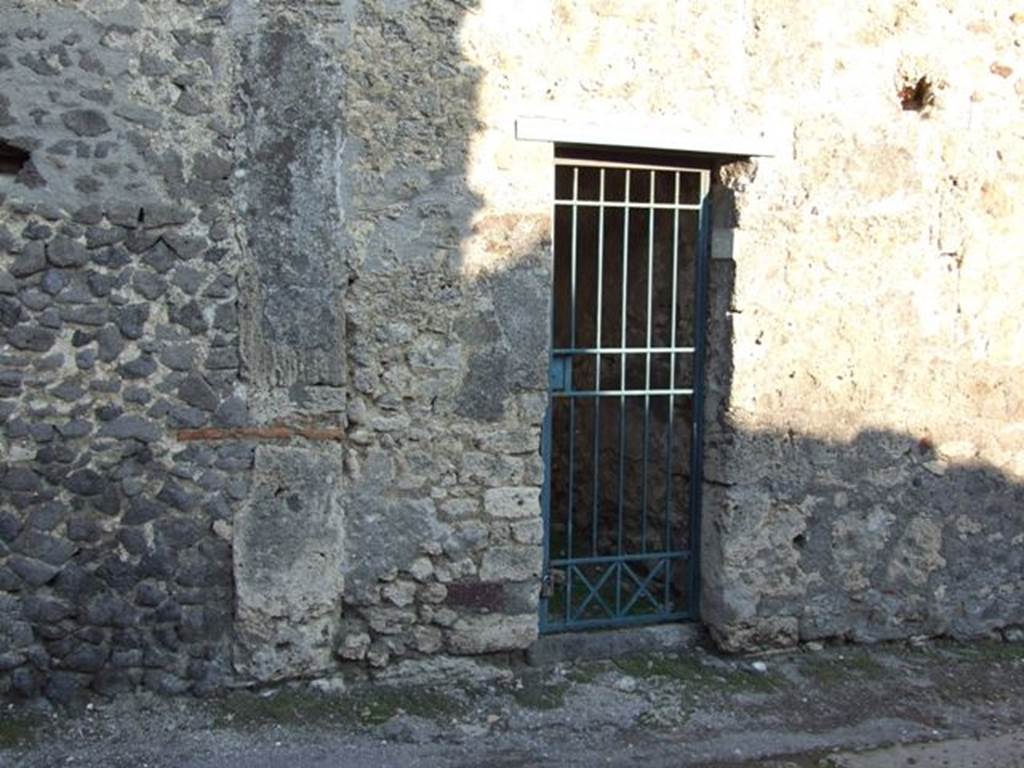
(695, 709)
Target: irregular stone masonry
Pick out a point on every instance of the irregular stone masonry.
(274, 301)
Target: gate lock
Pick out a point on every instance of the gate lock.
(560, 373)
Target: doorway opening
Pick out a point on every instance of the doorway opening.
(623, 432)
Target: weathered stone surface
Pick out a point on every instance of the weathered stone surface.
(354, 646)
(65, 252)
(511, 563)
(195, 391)
(29, 338)
(31, 260)
(85, 122)
(289, 546)
(512, 503)
(131, 427)
(489, 634)
(294, 331)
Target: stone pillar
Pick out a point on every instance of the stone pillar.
(289, 538)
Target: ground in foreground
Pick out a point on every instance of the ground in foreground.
(802, 709)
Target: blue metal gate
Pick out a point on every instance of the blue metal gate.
(623, 432)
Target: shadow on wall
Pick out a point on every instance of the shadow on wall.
(437, 377)
(876, 538)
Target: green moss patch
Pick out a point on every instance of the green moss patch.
(541, 697)
(18, 730)
(367, 706)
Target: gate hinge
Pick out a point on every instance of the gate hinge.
(547, 585)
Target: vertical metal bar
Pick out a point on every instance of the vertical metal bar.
(647, 371)
(545, 441)
(597, 366)
(572, 400)
(697, 439)
(671, 398)
(622, 388)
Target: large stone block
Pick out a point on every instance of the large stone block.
(292, 188)
(289, 546)
(511, 563)
(512, 503)
(490, 634)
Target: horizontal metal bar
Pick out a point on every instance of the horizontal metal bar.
(621, 392)
(646, 618)
(623, 204)
(621, 350)
(680, 554)
(605, 164)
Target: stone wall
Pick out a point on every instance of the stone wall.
(274, 320)
(257, 422)
(120, 329)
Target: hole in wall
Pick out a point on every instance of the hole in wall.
(916, 96)
(12, 159)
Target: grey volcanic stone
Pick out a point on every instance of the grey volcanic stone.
(129, 427)
(50, 318)
(141, 511)
(149, 284)
(63, 688)
(10, 312)
(86, 658)
(188, 279)
(53, 281)
(83, 529)
(211, 167)
(8, 285)
(179, 357)
(185, 247)
(9, 582)
(32, 571)
(190, 104)
(10, 526)
(45, 548)
(233, 412)
(88, 214)
(111, 344)
(86, 482)
(31, 260)
(100, 284)
(131, 320)
(136, 114)
(195, 391)
(85, 122)
(98, 237)
(162, 215)
(35, 299)
(190, 316)
(160, 257)
(140, 240)
(139, 368)
(64, 252)
(31, 338)
(152, 65)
